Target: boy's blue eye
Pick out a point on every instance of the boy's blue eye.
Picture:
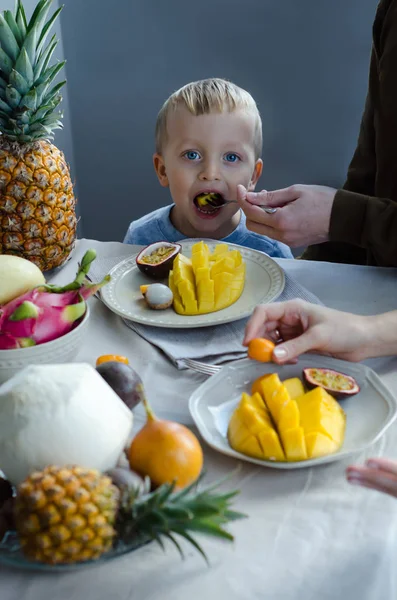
(192, 155)
(230, 157)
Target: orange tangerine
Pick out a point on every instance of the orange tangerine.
(261, 349)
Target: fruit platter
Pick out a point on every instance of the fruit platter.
(293, 416)
(197, 284)
(67, 501)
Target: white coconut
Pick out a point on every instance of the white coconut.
(17, 276)
(59, 415)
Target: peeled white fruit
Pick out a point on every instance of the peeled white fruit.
(17, 276)
(60, 414)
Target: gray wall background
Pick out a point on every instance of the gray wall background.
(305, 62)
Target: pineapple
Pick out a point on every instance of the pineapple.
(37, 204)
(73, 514)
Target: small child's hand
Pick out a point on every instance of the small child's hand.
(377, 474)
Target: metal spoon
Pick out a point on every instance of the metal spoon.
(267, 209)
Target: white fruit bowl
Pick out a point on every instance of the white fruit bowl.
(62, 350)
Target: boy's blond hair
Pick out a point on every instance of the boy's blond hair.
(204, 97)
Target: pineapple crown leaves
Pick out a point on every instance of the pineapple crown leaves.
(165, 513)
(27, 97)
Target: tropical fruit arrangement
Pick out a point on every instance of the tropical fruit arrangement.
(37, 204)
(205, 283)
(283, 421)
(78, 487)
(33, 312)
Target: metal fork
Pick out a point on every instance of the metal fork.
(201, 367)
(267, 209)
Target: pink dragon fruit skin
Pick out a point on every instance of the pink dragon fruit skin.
(40, 316)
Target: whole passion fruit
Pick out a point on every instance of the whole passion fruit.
(124, 381)
(156, 260)
(335, 383)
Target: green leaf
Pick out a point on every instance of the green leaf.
(23, 138)
(30, 44)
(9, 17)
(174, 541)
(53, 92)
(49, 75)
(5, 107)
(47, 28)
(192, 541)
(41, 113)
(11, 136)
(21, 19)
(13, 96)
(3, 84)
(44, 132)
(34, 28)
(19, 82)
(45, 58)
(25, 118)
(7, 39)
(24, 67)
(6, 63)
(41, 91)
(36, 13)
(30, 100)
(4, 114)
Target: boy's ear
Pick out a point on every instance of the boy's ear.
(159, 167)
(255, 175)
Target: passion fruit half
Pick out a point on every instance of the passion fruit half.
(156, 260)
(335, 383)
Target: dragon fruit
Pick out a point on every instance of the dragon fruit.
(47, 312)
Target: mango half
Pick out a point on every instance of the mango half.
(207, 281)
(279, 423)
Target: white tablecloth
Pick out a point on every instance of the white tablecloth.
(309, 535)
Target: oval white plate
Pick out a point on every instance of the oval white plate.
(368, 414)
(264, 282)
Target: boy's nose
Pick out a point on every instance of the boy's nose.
(209, 172)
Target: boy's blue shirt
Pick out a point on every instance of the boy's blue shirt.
(157, 226)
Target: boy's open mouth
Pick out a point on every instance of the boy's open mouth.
(208, 203)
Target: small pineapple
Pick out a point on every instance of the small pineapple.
(37, 204)
(72, 514)
(65, 515)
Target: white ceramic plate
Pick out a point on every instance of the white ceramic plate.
(264, 282)
(368, 414)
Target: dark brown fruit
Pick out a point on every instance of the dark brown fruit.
(125, 478)
(5, 490)
(335, 383)
(3, 526)
(124, 381)
(156, 260)
(7, 511)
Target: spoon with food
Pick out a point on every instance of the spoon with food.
(217, 201)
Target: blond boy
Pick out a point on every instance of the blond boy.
(208, 140)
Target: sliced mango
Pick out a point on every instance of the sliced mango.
(251, 430)
(295, 387)
(287, 424)
(207, 281)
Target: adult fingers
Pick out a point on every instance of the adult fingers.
(382, 481)
(262, 315)
(273, 198)
(270, 316)
(295, 347)
(263, 228)
(241, 193)
(384, 464)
